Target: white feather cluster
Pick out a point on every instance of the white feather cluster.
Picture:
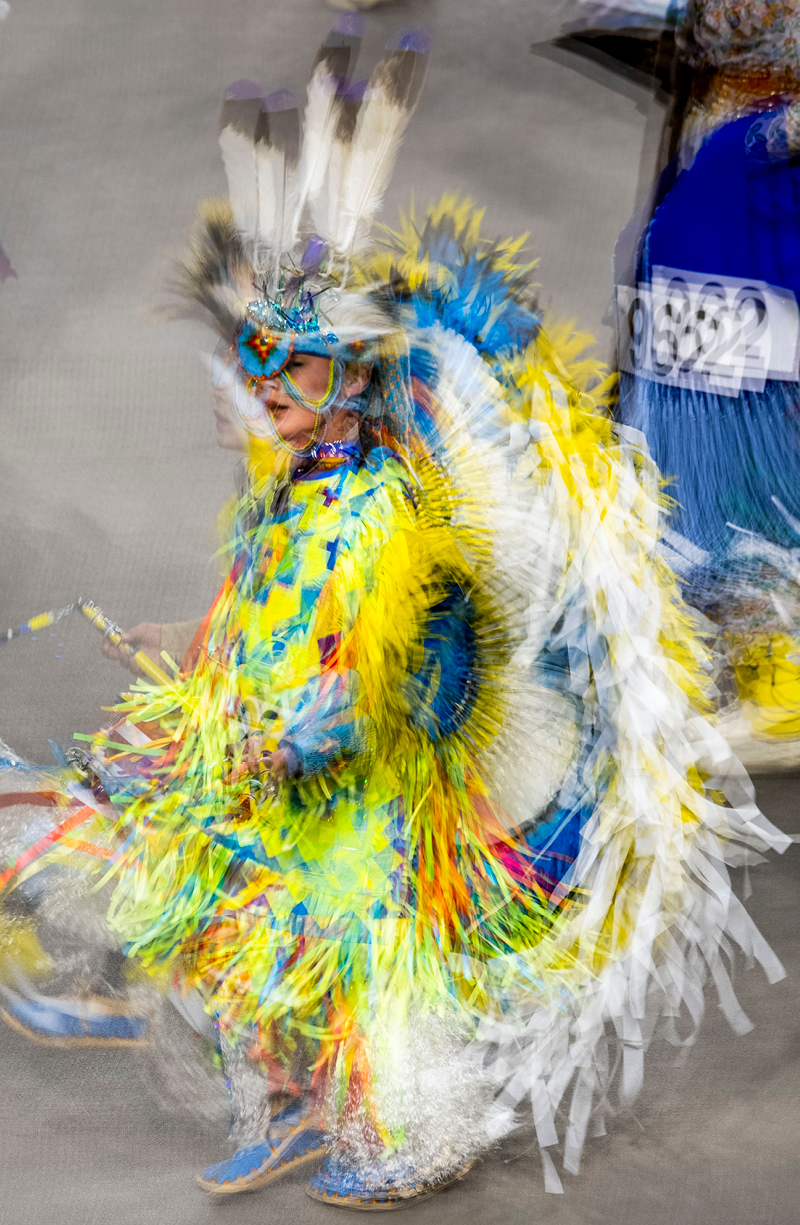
(332, 186)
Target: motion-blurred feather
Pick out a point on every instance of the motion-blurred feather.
(393, 93)
(277, 153)
(328, 203)
(329, 78)
(215, 276)
(238, 124)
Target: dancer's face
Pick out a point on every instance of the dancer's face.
(293, 421)
(311, 375)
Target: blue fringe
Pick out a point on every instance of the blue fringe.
(723, 458)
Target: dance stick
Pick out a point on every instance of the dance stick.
(100, 621)
(113, 633)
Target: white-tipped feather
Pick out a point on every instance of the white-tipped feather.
(348, 154)
(321, 117)
(327, 208)
(277, 204)
(364, 176)
(239, 158)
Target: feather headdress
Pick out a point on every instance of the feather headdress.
(276, 259)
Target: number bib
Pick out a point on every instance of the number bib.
(707, 333)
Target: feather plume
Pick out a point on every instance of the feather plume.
(370, 149)
(327, 204)
(351, 139)
(277, 149)
(215, 277)
(238, 124)
(329, 78)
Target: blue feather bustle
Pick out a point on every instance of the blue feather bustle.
(469, 287)
(473, 289)
(477, 301)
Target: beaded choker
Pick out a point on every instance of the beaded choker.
(334, 450)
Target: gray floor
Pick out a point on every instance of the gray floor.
(110, 484)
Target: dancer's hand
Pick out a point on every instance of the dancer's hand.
(145, 637)
(255, 761)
